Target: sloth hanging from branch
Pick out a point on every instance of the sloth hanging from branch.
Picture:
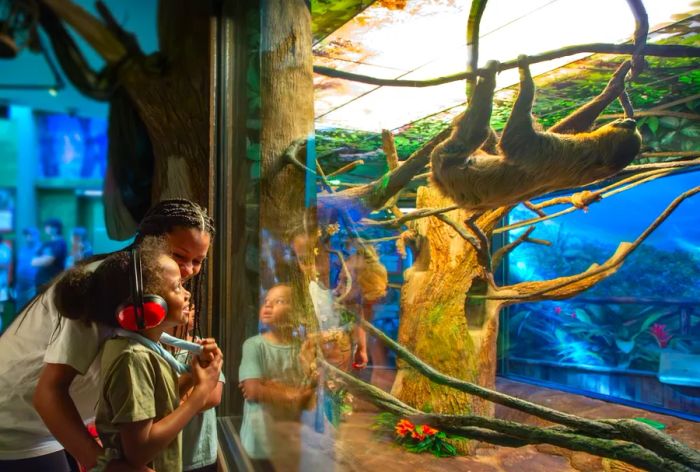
(480, 172)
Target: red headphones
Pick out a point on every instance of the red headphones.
(141, 311)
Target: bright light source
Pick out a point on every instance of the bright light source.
(426, 39)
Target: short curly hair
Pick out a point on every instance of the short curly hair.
(94, 295)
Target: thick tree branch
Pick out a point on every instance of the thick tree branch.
(375, 195)
(95, 33)
(675, 455)
(75, 66)
(649, 50)
(565, 287)
(626, 451)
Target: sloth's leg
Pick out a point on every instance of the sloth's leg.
(582, 119)
(519, 130)
(471, 129)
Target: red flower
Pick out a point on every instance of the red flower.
(428, 431)
(660, 334)
(404, 427)
(557, 309)
(417, 435)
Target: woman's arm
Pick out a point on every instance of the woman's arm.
(142, 441)
(55, 406)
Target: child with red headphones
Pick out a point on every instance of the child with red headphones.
(140, 414)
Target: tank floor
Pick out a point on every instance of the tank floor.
(355, 448)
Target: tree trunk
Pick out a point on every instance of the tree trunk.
(172, 99)
(287, 109)
(433, 323)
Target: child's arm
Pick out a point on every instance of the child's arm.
(185, 382)
(268, 391)
(143, 440)
(185, 389)
(360, 359)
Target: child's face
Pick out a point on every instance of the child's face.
(174, 293)
(276, 306)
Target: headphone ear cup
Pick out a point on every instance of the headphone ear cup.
(155, 309)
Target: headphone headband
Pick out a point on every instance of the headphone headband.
(136, 282)
(141, 311)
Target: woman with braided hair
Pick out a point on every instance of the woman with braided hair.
(49, 370)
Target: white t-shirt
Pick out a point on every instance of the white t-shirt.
(30, 341)
(323, 300)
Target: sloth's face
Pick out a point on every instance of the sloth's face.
(623, 141)
(625, 123)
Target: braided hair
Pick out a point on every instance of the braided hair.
(163, 218)
(169, 214)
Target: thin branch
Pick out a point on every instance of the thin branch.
(524, 290)
(534, 208)
(680, 101)
(600, 195)
(471, 239)
(662, 165)
(382, 240)
(649, 50)
(641, 31)
(542, 242)
(498, 255)
(676, 114)
(389, 148)
(346, 168)
(471, 224)
(422, 213)
(626, 103)
(473, 24)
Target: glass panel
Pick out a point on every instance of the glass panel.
(332, 256)
(632, 337)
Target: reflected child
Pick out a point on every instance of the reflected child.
(271, 374)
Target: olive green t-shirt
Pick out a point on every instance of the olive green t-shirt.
(137, 384)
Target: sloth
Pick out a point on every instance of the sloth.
(481, 172)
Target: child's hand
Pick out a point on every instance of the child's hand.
(360, 359)
(206, 377)
(209, 350)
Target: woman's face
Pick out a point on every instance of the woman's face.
(174, 293)
(189, 248)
